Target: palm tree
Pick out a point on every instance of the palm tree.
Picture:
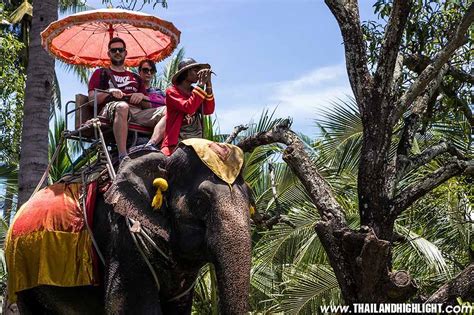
(40, 90)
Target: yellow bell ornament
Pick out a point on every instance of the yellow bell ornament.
(161, 185)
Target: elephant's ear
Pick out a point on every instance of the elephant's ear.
(132, 191)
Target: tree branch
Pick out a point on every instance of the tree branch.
(459, 103)
(429, 154)
(237, 129)
(412, 121)
(441, 58)
(418, 63)
(297, 158)
(347, 16)
(265, 221)
(409, 195)
(397, 73)
(390, 46)
(461, 286)
(422, 101)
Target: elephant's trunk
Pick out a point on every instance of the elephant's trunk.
(230, 247)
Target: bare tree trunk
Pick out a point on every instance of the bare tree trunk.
(361, 259)
(40, 76)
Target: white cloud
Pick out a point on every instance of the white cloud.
(300, 98)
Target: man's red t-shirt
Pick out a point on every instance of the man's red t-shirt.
(126, 81)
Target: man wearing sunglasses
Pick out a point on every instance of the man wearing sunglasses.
(125, 99)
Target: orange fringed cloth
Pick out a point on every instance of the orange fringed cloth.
(48, 242)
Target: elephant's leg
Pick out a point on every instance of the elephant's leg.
(60, 300)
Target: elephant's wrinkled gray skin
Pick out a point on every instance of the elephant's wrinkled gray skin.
(205, 221)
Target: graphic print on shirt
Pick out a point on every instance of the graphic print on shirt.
(125, 83)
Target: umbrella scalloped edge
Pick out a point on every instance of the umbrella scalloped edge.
(112, 16)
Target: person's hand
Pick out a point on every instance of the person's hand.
(136, 98)
(116, 93)
(209, 83)
(204, 76)
(209, 86)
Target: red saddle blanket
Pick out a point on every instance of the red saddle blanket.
(48, 242)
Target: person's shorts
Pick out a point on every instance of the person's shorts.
(148, 117)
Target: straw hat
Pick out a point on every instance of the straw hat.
(187, 64)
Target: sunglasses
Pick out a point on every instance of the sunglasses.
(116, 50)
(147, 70)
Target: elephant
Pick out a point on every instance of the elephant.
(203, 220)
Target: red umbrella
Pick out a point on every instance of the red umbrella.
(82, 38)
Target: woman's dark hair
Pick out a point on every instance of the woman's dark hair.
(117, 40)
(181, 77)
(151, 63)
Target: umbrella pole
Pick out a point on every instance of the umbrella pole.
(111, 31)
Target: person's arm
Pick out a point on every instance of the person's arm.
(101, 96)
(145, 102)
(180, 103)
(137, 98)
(94, 83)
(209, 103)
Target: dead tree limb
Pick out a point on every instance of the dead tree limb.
(237, 129)
(462, 286)
(297, 158)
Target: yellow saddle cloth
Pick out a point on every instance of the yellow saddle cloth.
(223, 159)
(48, 243)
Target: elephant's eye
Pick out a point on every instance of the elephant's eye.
(199, 201)
(199, 206)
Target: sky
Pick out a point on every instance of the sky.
(267, 54)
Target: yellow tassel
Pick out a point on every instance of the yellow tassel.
(252, 210)
(161, 185)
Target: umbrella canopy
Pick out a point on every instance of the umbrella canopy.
(82, 38)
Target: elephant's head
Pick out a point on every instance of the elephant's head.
(204, 219)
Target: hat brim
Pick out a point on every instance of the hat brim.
(193, 65)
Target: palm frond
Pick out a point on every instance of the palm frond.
(73, 6)
(341, 129)
(82, 73)
(9, 172)
(282, 243)
(63, 163)
(428, 251)
(55, 95)
(25, 8)
(307, 289)
(205, 291)
(163, 81)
